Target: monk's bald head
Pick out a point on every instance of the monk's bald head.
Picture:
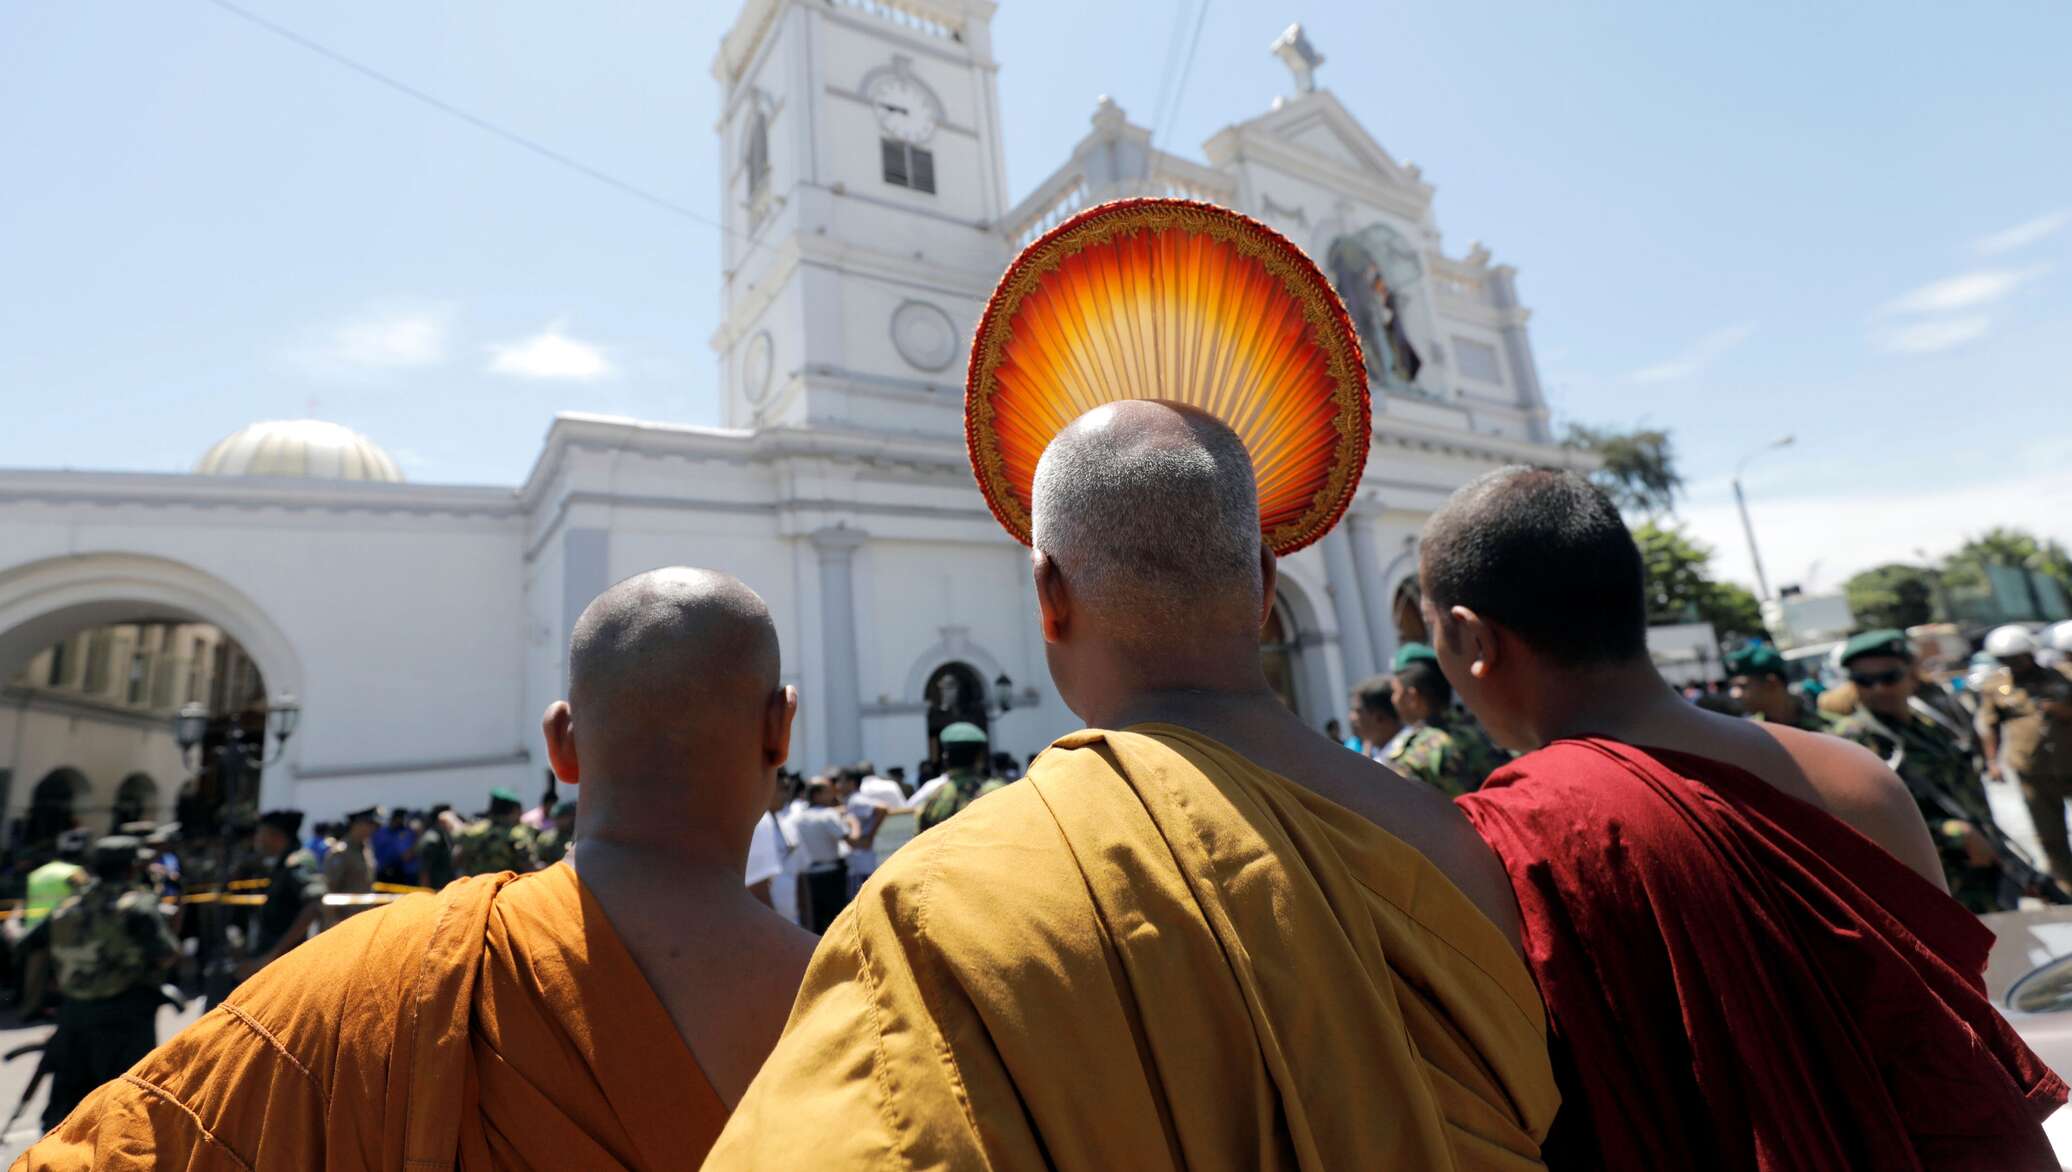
(1150, 512)
(669, 656)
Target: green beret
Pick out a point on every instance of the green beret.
(564, 809)
(503, 794)
(1410, 653)
(962, 733)
(1755, 659)
(1884, 641)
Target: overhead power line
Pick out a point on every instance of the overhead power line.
(1186, 69)
(475, 120)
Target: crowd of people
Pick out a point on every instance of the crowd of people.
(1642, 934)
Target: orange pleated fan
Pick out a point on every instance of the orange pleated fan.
(1172, 299)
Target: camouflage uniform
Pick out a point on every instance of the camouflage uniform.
(2036, 749)
(964, 787)
(1447, 754)
(485, 848)
(1932, 761)
(1808, 717)
(109, 945)
(550, 845)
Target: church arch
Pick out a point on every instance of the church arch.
(55, 802)
(136, 799)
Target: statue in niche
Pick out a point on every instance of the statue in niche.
(1373, 270)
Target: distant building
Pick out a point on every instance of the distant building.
(864, 192)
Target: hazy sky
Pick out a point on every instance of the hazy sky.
(1736, 223)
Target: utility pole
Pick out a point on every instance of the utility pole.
(1741, 502)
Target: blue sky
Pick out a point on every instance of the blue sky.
(1852, 226)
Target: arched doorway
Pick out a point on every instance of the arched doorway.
(1407, 610)
(52, 803)
(136, 799)
(956, 691)
(1278, 652)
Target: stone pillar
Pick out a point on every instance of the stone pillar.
(837, 548)
(1354, 641)
(1381, 625)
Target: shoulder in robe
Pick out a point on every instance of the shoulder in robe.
(502, 1015)
(1736, 979)
(1149, 954)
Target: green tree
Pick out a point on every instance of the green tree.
(1680, 587)
(1637, 468)
(1891, 595)
(2008, 547)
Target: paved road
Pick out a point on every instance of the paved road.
(15, 1075)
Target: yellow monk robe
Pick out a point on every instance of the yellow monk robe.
(498, 1024)
(1150, 954)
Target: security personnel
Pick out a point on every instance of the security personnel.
(1930, 757)
(1440, 745)
(49, 885)
(497, 841)
(110, 948)
(349, 866)
(1760, 684)
(2025, 730)
(294, 889)
(964, 780)
(551, 845)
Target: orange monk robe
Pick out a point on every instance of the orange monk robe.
(1150, 954)
(498, 1024)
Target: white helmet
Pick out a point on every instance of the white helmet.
(2009, 641)
(2061, 637)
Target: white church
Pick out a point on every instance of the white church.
(421, 628)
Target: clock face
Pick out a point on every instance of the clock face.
(904, 107)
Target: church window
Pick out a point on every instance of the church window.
(758, 155)
(907, 165)
(1477, 360)
(60, 656)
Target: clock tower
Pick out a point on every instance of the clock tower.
(861, 181)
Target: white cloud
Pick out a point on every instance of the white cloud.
(551, 353)
(2024, 234)
(394, 336)
(1963, 291)
(1829, 537)
(1695, 358)
(1935, 334)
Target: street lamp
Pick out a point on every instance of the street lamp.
(1003, 692)
(1741, 502)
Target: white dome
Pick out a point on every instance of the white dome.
(308, 448)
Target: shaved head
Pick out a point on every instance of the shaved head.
(1150, 512)
(665, 661)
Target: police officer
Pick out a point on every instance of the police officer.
(2025, 730)
(964, 780)
(294, 889)
(1759, 683)
(349, 867)
(110, 947)
(498, 841)
(1439, 745)
(1930, 757)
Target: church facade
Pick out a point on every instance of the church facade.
(422, 627)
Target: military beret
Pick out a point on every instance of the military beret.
(370, 814)
(962, 733)
(288, 822)
(501, 796)
(1755, 659)
(1883, 641)
(1410, 653)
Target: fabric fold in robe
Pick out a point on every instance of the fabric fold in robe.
(1736, 979)
(1150, 954)
(498, 1024)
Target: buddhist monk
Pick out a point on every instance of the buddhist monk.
(603, 1013)
(1740, 929)
(1196, 934)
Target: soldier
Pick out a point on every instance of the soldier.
(1760, 685)
(553, 842)
(294, 890)
(965, 780)
(1438, 746)
(2025, 730)
(498, 841)
(49, 885)
(1929, 757)
(349, 867)
(110, 947)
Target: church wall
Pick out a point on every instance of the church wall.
(43, 733)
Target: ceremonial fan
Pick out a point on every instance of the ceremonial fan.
(1177, 300)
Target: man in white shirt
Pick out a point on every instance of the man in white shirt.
(864, 797)
(824, 831)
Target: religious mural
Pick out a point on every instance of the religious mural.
(1374, 271)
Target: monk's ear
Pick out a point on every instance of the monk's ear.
(1269, 581)
(1477, 639)
(1053, 600)
(559, 727)
(777, 718)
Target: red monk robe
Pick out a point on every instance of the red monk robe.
(1735, 979)
(498, 1024)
